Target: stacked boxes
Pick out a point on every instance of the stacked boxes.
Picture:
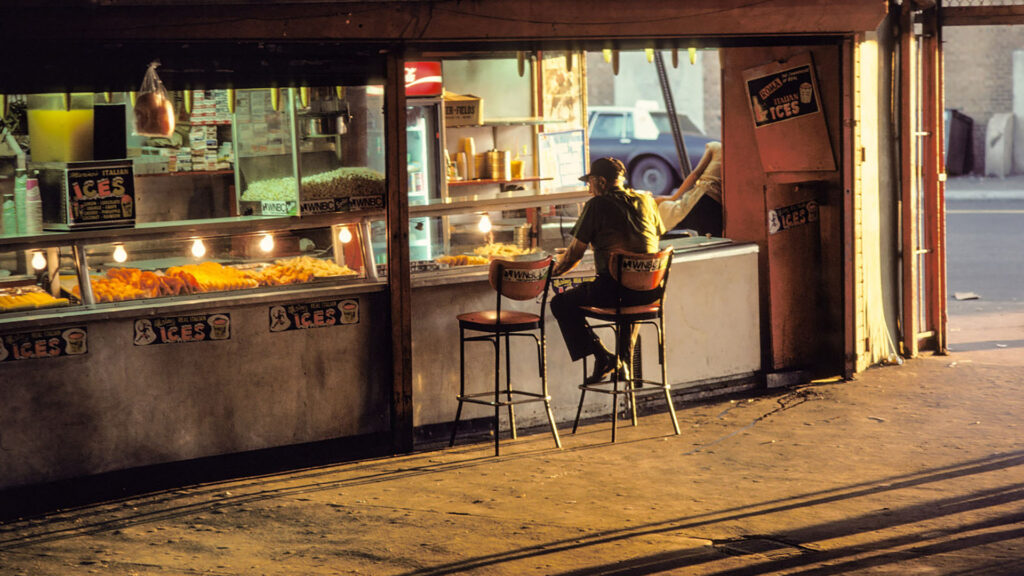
(210, 107)
(203, 145)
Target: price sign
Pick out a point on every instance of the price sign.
(50, 343)
(304, 315)
(182, 329)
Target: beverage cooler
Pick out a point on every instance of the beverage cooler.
(426, 167)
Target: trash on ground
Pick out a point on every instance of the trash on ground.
(965, 296)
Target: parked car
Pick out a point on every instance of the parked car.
(642, 139)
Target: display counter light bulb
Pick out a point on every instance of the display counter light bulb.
(345, 235)
(198, 248)
(485, 224)
(38, 260)
(120, 254)
(267, 243)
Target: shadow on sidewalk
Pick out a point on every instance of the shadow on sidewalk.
(170, 505)
(885, 519)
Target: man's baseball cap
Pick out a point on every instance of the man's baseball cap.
(610, 168)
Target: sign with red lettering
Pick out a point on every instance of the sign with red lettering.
(783, 95)
(101, 195)
(423, 79)
(49, 343)
(303, 315)
(182, 329)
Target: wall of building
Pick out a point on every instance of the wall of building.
(692, 85)
(979, 75)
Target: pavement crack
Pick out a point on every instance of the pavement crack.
(785, 402)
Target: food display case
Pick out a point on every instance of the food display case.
(311, 136)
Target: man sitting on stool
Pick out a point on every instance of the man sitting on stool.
(614, 219)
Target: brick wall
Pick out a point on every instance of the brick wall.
(979, 75)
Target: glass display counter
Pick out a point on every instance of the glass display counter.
(206, 213)
(178, 266)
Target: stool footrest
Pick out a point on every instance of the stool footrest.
(479, 398)
(604, 387)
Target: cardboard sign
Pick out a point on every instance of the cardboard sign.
(783, 95)
(423, 79)
(182, 329)
(50, 343)
(789, 116)
(303, 315)
(792, 216)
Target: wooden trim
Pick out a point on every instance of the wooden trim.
(427, 22)
(848, 216)
(399, 279)
(934, 207)
(981, 15)
(907, 208)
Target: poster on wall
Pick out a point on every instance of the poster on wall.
(562, 83)
(788, 116)
(50, 343)
(783, 95)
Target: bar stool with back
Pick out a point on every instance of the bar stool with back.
(639, 272)
(517, 280)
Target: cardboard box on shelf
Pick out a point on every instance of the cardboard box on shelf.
(463, 109)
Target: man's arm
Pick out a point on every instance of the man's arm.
(690, 180)
(570, 258)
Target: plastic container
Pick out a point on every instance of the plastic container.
(20, 198)
(9, 224)
(61, 127)
(33, 208)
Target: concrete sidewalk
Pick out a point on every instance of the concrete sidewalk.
(912, 469)
(973, 187)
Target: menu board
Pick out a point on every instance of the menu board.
(101, 195)
(304, 315)
(50, 343)
(562, 158)
(182, 329)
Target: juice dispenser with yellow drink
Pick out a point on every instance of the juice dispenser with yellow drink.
(60, 127)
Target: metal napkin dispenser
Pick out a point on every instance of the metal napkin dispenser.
(94, 194)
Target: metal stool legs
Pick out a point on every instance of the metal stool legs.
(496, 400)
(635, 378)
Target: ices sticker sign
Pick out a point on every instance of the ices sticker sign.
(181, 329)
(303, 315)
(44, 344)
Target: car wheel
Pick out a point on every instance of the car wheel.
(652, 174)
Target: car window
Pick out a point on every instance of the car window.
(685, 124)
(607, 126)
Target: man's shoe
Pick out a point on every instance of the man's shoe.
(604, 365)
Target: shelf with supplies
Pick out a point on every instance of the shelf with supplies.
(481, 182)
(514, 200)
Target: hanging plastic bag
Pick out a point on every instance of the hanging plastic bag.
(154, 110)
